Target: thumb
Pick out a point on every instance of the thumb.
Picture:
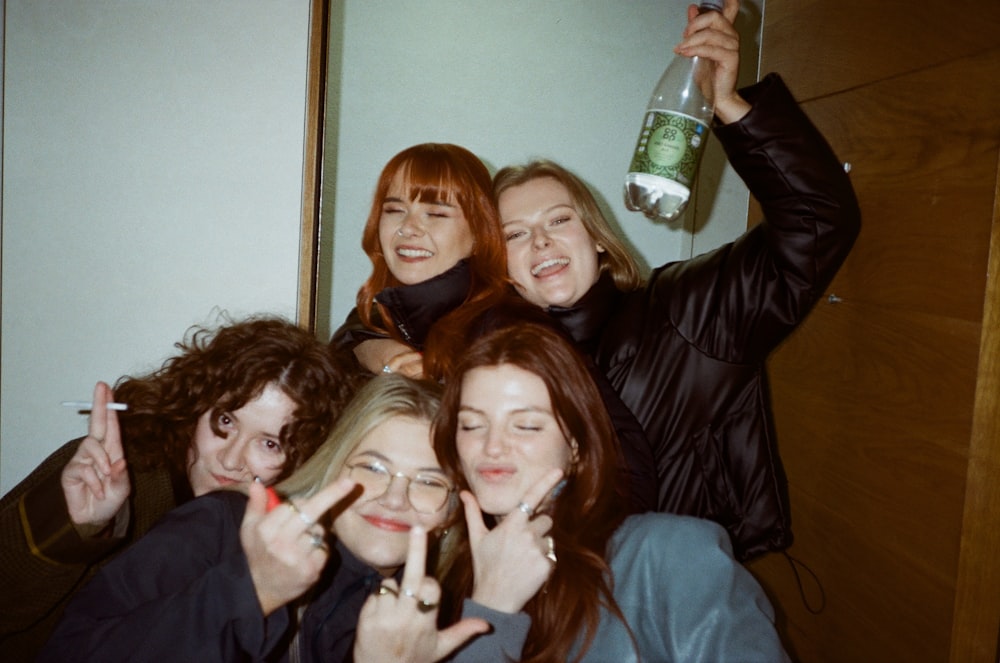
(458, 634)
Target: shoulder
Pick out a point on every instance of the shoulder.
(222, 506)
(680, 536)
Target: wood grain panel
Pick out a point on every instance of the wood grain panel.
(877, 608)
(977, 602)
(825, 46)
(888, 414)
(918, 177)
(875, 418)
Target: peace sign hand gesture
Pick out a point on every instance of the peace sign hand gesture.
(95, 482)
(513, 560)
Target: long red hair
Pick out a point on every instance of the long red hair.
(440, 171)
(587, 510)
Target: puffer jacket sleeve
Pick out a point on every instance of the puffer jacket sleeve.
(353, 332)
(754, 291)
(183, 592)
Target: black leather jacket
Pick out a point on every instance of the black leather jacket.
(687, 352)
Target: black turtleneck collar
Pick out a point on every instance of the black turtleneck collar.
(415, 308)
(586, 319)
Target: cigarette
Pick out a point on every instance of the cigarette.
(88, 405)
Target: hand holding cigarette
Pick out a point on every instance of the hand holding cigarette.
(95, 482)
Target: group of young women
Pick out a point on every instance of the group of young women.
(488, 505)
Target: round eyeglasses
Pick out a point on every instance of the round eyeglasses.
(427, 494)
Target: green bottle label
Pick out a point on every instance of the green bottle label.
(670, 146)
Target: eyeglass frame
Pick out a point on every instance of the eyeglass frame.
(368, 464)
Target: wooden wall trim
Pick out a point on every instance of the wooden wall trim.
(976, 623)
(312, 166)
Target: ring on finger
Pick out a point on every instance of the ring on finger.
(309, 522)
(386, 369)
(316, 540)
(383, 590)
(422, 605)
(551, 554)
(525, 508)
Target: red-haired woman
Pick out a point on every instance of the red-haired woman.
(438, 259)
(249, 400)
(556, 568)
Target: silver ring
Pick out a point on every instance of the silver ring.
(551, 554)
(316, 540)
(386, 369)
(422, 605)
(309, 522)
(525, 508)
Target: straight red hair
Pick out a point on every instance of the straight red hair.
(440, 172)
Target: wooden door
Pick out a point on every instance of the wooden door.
(886, 398)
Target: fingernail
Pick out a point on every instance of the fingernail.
(417, 529)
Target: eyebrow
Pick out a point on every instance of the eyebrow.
(544, 211)
(383, 458)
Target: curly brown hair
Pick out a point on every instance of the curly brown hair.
(220, 370)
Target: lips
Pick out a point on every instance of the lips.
(225, 481)
(495, 473)
(388, 524)
(548, 267)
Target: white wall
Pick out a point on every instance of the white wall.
(510, 81)
(153, 159)
(152, 172)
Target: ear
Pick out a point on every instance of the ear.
(574, 456)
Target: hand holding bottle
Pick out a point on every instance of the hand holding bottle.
(676, 128)
(710, 35)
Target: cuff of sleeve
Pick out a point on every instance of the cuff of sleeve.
(50, 533)
(509, 632)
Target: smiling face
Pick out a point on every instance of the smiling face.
(507, 437)
(375, 527)
(551, 257)
(251, 446)
(421, 239)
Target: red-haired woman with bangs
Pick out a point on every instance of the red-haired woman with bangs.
(549, 559)
(438, 259)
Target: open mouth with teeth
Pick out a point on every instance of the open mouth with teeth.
(414, 253)
(549, 265)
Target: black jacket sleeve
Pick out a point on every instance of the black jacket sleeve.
(183, 592)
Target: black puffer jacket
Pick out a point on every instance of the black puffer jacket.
(687, 352)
